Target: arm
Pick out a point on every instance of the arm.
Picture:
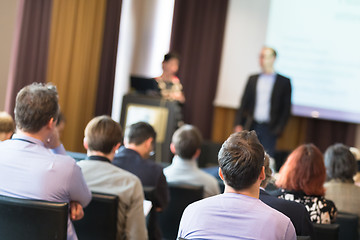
(78, 190)
(245, 111)
(285, 108)
(135, 219)
(162, 193)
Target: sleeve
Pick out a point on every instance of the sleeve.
(135, 218)
(290, 233)
(286, 107)
(78, 190)
(242, 112)
(162, 192)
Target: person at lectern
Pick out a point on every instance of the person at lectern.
(168, 83)
(266, 103)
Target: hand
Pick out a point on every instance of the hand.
(76, 211)
(238, 128)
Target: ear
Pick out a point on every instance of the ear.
(262, 174)
(172, 148)
(221, 174)
(51, 124)
(149, 141)
(116, 147)
(197, 153)
(86, 146)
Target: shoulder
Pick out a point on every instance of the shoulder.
(175, 80)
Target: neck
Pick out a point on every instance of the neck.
(268, 70)
(167, 77)
(137, 148)
(41, 135)
(109, 156)
(252, 191)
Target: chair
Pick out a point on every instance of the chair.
(326, 231)
(181, 195)
(100, 218)
(303, 238)
(32, 219)
(348, 226)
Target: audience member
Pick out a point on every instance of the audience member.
(186, 144)
(134, 157)
(102, 138)
(30, 170)
(341, 167)
(297, 212)
(7, 126)
(238, 213)
(168, 83)
(302, 178)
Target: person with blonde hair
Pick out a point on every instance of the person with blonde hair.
(7, 126)
(302, 178)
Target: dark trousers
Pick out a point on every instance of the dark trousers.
(266, 138)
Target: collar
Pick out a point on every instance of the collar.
(24, 138)
(98, 158)
(178, 161)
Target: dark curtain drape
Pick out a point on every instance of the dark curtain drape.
(30, 49)
(324, 133)
(197, 35)
(108, 58)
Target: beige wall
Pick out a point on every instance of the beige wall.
(7, 25)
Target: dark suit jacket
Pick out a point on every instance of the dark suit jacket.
(297, 212)
(280, 104)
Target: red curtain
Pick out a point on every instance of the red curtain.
(30, 50)
(197, 35)
(108, 58)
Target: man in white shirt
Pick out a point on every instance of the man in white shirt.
(102, 138)
(186, 143)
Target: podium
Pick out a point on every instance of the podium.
(163, 115)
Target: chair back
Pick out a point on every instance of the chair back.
(181, 195)
(100, 218)
(348, 226)
(303, 238)
(32, 219)
(326, 231)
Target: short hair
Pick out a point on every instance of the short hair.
(340, 162)
(241, 159)
(268, 171)
(273, 51)
(35, 105)
(102, 134)
(187, 140)
(304, 170)
(7, 124)
(140, 132)
(171, 55)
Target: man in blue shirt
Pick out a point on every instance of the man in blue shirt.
(28, 168)
(238, 213)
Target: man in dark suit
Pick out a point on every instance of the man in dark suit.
(266, 103)
(297, 212)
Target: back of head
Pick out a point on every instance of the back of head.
(6, 123)
(187, 140)
(102, 134)
(139, 133)
(304, 170)
(35, 105)
(241, 159)
(340, 163)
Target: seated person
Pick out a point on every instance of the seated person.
(102, 138)
(297, 212)
(168, 83)
(302, 178)
(7, 126)
(134, 157)
(28, 169)
(341, 167)
(238, 213)
(186, 144)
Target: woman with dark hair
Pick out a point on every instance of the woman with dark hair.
(341, 167)
(301, 179)
(169, 84)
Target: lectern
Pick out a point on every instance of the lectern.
(163, 115)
